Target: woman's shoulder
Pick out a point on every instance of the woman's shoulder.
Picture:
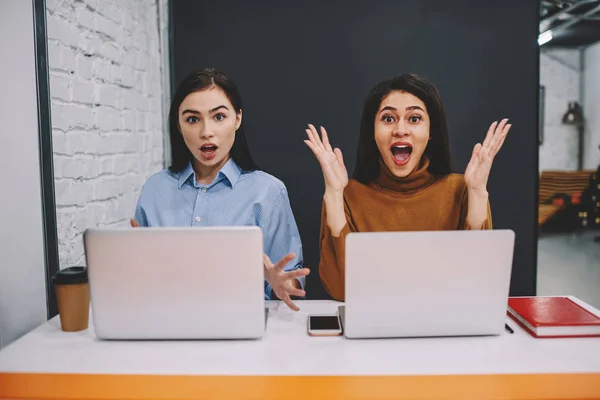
(161, 177)
(157, 184)
(356, 190)
(263, 180)
(354, 185)
(453, 180)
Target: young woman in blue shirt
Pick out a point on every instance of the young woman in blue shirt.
(213, 181)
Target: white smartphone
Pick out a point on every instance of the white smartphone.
(324, 325)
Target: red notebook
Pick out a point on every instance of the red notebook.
(552, 317)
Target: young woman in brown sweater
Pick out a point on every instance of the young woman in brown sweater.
(403, 179)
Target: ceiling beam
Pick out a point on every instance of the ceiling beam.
(547, 22)
(574, 20)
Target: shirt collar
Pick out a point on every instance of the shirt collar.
(185, 175)
(230, 171)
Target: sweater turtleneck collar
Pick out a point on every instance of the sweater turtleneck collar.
(419, 178)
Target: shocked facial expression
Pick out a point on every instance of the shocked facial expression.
(208, 121)
(401, 131)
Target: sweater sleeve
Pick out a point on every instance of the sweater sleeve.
(464, 208)
(332, 267)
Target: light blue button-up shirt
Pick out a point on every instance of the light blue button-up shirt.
(234, 198)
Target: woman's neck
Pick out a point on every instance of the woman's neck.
(418, 179)
(206, 174)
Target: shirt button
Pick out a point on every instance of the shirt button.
(204, 189)
(197, 219)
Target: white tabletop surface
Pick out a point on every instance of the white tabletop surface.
(287, 349)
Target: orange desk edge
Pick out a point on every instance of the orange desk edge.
(506, 386)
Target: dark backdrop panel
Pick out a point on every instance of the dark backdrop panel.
(314, 61)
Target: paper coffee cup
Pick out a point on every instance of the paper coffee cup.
(73, 298)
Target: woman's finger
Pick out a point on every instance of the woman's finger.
(500, 127)
(297, 273)
(476, 150)
(286, 299)
(316, 137)
(474, 161)
(500, 142)
(490, 134)
(267, 261)
(134, 223)
(339, 157)
(285, 260)
(312, 147)
(325, 167)
(484, 154)
(501, 137)
(297, 292)
(312, 139)
(497, 133)
(326, 143)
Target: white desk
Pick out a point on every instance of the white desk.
(49, 363)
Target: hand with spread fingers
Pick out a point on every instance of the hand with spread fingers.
(479, 167)
(331, 160)
(334, 174)
(478, 171)
(284, 283)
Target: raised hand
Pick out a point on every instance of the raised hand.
(331, 160)
(284, 283)
(479, 167)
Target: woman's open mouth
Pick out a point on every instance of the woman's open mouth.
(401, 153)
(208, 151)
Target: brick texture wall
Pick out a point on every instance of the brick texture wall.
(106, 97)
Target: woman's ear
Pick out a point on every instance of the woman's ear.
(238, 120)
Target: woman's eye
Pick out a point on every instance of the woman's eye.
(192, 119)
(220, 117)
(388, 118)
(415, 118)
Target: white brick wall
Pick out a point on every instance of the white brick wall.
(105, 74)
(163, 21)
(560, 73)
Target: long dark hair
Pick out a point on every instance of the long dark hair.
(195, 82)
(438, 150)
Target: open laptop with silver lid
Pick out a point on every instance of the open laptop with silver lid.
(427, 283)
(176, 283)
